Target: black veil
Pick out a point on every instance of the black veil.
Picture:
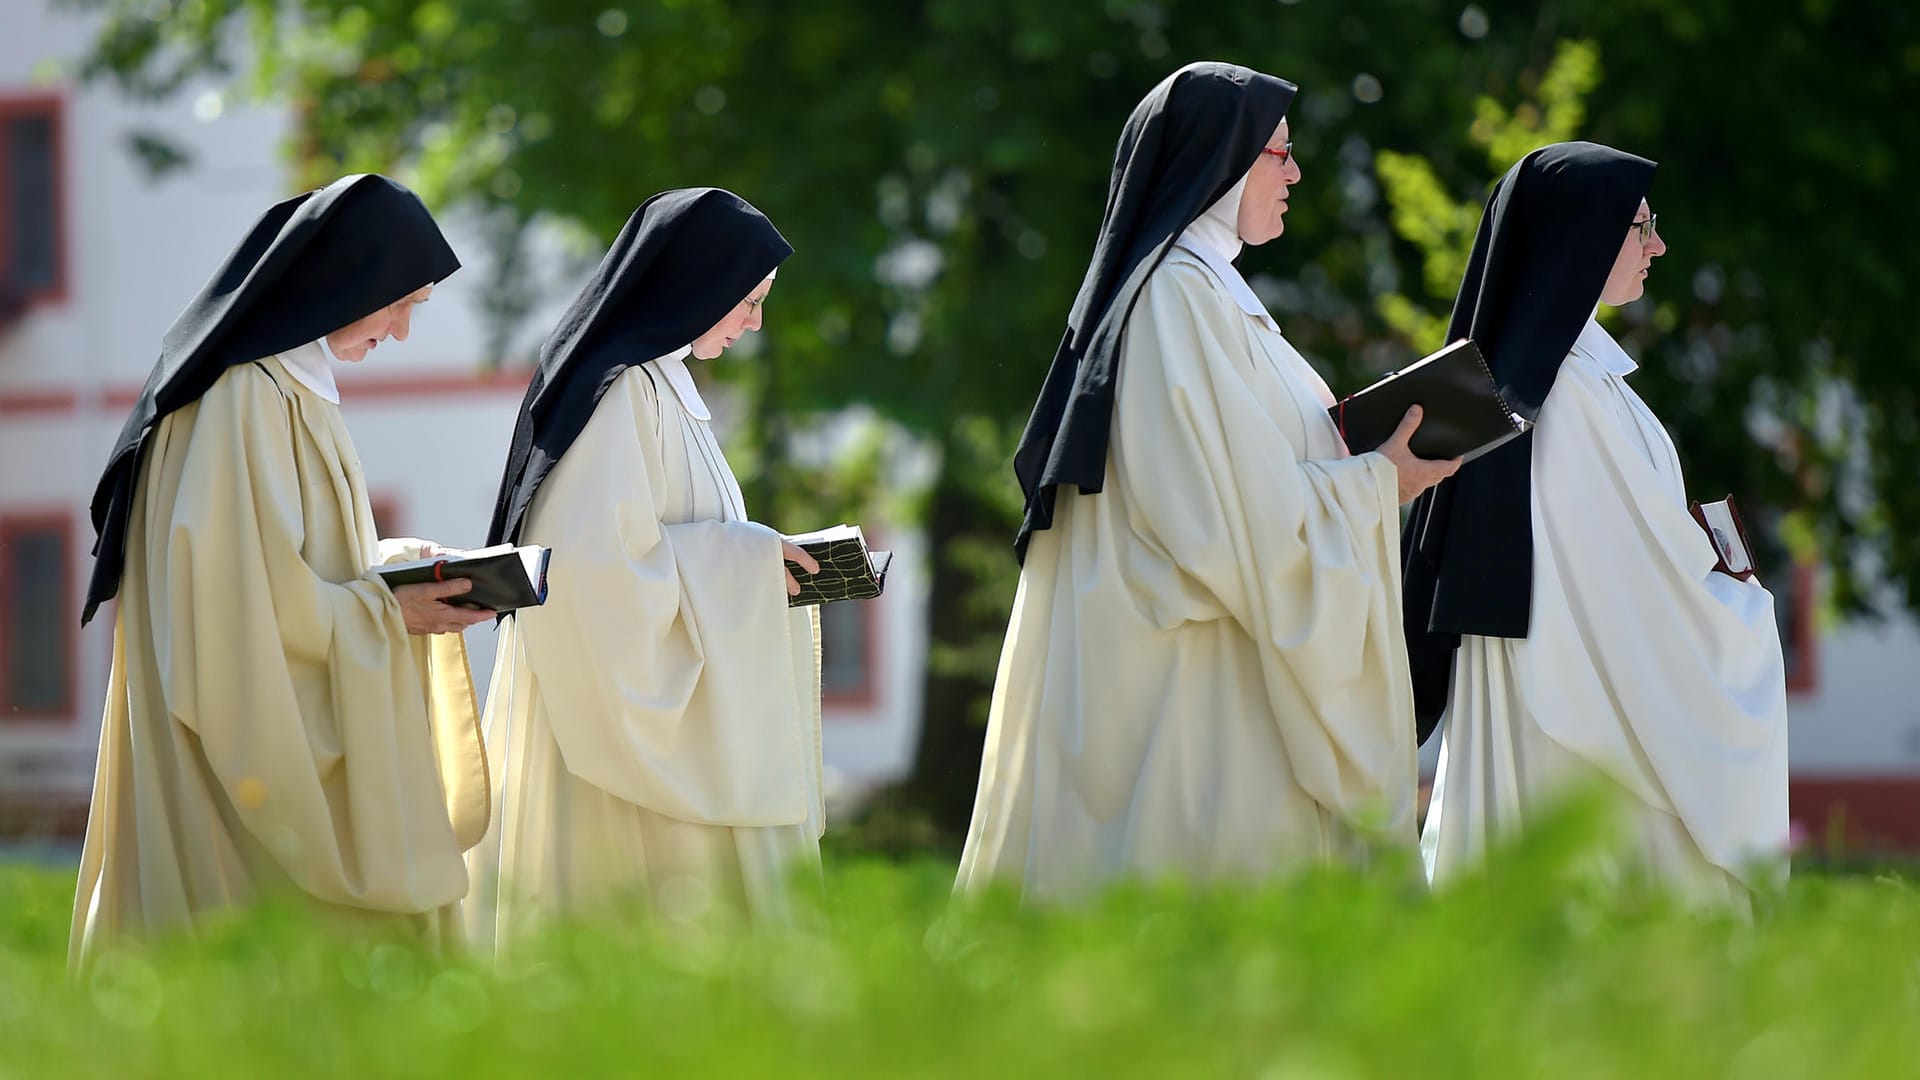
(1188, 141)
(683, 260)
(1551, 231)
(311, 265)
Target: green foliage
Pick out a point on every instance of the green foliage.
(1558, 112)
(940, 166)
(1536, 969)
(1427, 216)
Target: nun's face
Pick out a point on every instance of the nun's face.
(1264, 201)
(1628, 279)
(745, 316)
(355, 340)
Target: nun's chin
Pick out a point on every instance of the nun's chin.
(1627, 294)
(1265, 236)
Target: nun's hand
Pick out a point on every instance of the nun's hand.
(425, 610)
(1417, 474)
(796, 555)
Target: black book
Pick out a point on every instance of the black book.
(504, 577)
(1463, 414)
(848, 571)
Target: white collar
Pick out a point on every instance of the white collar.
(311, 365)
(1218, 226)
(1237, 286)
(1215, 237)
(1598, 344)
(674, 367)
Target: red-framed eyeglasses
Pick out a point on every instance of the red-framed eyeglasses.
(1285, 153)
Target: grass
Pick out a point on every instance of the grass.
(1535, 969)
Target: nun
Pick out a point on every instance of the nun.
(277, 723)
(655, 726)
(1204, 674)
(1564, 614)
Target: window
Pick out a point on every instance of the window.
(847, 653)
(32, 257)
(386, 514)
(38, 618)
(1794, 595)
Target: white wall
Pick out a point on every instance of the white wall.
(137, 251)
(873, 744)
(1862, 717)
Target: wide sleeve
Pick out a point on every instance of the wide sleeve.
(306, 695)
(1302, 554)
(1652, 663)
(665, 655)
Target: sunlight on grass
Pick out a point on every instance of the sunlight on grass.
(1531, 969)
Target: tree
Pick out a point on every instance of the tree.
(940, 164)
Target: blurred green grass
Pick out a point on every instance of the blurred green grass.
(1537, 968)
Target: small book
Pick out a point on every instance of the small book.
(848, 571)
(1463, 414)
(504, 577)
(1723, 526)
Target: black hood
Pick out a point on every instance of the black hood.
(1547, 241)
(682, 262)
(311, 265)
(1187, 143)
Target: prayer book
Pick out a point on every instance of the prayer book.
(504, 577)
(1462, 412)
(848, 571)
(1723, 526)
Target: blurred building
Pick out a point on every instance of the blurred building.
(95, 261)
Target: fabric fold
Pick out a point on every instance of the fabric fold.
(294, 736)
(1641, 662)
(656, 724)
(1204, 674)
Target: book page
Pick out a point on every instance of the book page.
(530, 558)
(1726, 536)
(829, 535)
(454, 555)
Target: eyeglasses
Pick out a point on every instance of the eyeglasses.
(1285, 153)
(1646, 228)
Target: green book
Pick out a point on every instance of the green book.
(848, 571)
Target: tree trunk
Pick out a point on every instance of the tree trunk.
(960, 620)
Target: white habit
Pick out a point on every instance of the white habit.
(1205, 674)
(1641, 662)
(271, 729)
(655, 726)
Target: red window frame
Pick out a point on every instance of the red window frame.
(1801, 633)
(389, 516)
(866, 695)
(15, 523)
(52, 106)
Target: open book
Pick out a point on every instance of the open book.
(1723, 526)
(848, 571)
(504, 577)
(1462, 412)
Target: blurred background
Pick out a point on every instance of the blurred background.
(940, 167)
